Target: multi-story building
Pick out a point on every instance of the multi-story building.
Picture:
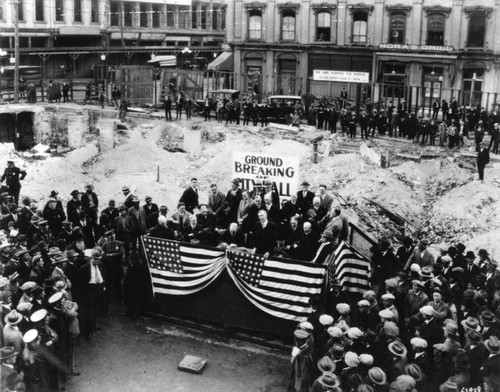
(421, 50)
(73, 36)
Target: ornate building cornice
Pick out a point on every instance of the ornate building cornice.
(400, 8)
(319, 7)
(361, 7)
(437, 9)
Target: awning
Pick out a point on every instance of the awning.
(128, 36)
(222, 63)
(164, 60)
(79, 30)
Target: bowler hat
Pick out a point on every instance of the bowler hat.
(470, 255)
(7, 352)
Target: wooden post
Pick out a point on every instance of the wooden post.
(157, 173)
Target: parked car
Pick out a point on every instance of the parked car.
(279, 107)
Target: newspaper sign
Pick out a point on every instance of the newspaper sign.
(253, 168)
(341, 76)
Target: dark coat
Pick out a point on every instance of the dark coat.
(483, 157)
(306, 201)
(190, 199)
(265, 238)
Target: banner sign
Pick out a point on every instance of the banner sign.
(410, 47)
(254, 168)
(341, 76)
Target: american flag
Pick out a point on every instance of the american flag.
(180, 268)
(350, 267)
(280, 287)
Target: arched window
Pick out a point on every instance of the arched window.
(397, 28)
(288, 26)
(435, 29)
(359, 27)
(477, 30)
(323, 26)
(255, 25)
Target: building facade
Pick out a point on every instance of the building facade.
(72, 37)
(420, 50)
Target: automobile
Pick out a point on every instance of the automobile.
(279, 107)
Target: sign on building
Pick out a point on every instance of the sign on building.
(254, 168)
(417, 48)
(341, 76)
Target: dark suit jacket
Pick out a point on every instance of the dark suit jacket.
(476, 360)
(215, 201)
(190, 198)
(192, 233)
(86, 202)
(483, 157)
(238, 239)
(308, 246)
(288, 210)
(306, 201)
(273, 214)
(265, 238)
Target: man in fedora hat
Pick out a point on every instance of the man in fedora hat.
(476, 352)
(73, 206)
(12, 336)
(112, 258)
(326, 248)
(8, 358)
(492, 364)
(13, 176)
(138, 216)
(489, 323)
(305, 197)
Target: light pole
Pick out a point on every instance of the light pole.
(2, 69)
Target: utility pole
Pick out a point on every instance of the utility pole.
(16, 50)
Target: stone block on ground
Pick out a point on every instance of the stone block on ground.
(192, 364)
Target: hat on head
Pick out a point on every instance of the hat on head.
(386, 313)
(391, 330)
(388, 297)
(443, 247)
(334, 332)
(5, 195)
(122, 208)
(470, 255)
(58, 259)
(71, 253)
(351, 359)
(450, 328)
(483, 253)
(427, 310)
(354, 333)
(135, 199)
(448, 386)
(418, 282)
(27, 286)
(325, 319)
(487, 317)
(74, 193)
(391, 283)
(366, 359)
(54, 251)
(473, 336)
(343, 308)
(30, 336)
(329, 380)
(163, 208)
(305, 183)
(96, 254)
(306, 325)
(39, 315)
(492, 345)
(426, 272)
(125, 188)
(415, 268)
(60, 285)
(337, 350)
(397, 349)
(109, 232)
(377, 376)
(369, 295)
(55, 298)
(24, 307)
(417, 342)
(363, 302)
(7, 352)
(471, 323)
(462, 361)
(235, 181)
(326, 364)
(457, 270)
(446, 259)
(301, 334)
(13, 317)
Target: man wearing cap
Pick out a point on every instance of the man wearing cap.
(128, 197)
(13, 176)
(35, 367)
(190, 196)
(305, 197)
(55, 217)
(150, 209)
(421, 256)
(303, 363)
(108, 216)
(73, 206)
(420, 355)
(93, 275)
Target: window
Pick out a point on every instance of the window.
(359, 27)
(170, 18)
(115, 13)
(288, 26)
(128, 12)
(39, 8)
(143, 18)
(215, 14)
(204, 18)
(59, 10)
(194, 18)
(397, 29)
(473, 84)
(223, 18)
(183, 18)
(2, 5)
(255, 25)
(323, 26)
(78, 10)
(156, 15)
(477, 30)
(94, 11)
(435, 29)
(20, 10)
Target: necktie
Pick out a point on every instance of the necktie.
(181, 220)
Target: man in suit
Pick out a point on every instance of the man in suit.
(476, 352)
(206, 221)
(232, 237)
(291, 209)
(265, 235)
(92, 276)
(13, 177)
(489, 323)
(128, 197)
(8, 357)
(149, 209)
(190, 196)
(112, 258)
(138, 222)
(12, 336)
(215, 199)
(315, 215)
(471, 270)
(292, 235)
(273, 211)
(326, 200)
(108, 216)
(180, 218)
(123, 226)
(305, 196)
(73, 206)
(192, 232)
(421, 256)
(491, 366)
(483, 158)
(309, 243)
(90, 204)
(233, 198)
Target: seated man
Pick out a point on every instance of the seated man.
(232, 237)
(192, 232)
(309, 243)
(292, 235)
(161, 230)
(207, 222)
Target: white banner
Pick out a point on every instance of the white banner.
(253, 168)
(341, 76)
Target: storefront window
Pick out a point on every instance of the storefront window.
(397, 29)
(473, 84)
(359, 27)
(477, 30)
(288, 26)
(323, 26)
(435, 29)
(255, 25)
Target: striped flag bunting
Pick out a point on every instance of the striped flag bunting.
(181, 268)
(280, 287)
(350, 267)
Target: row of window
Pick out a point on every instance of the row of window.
(359, 32)
(59, 11)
